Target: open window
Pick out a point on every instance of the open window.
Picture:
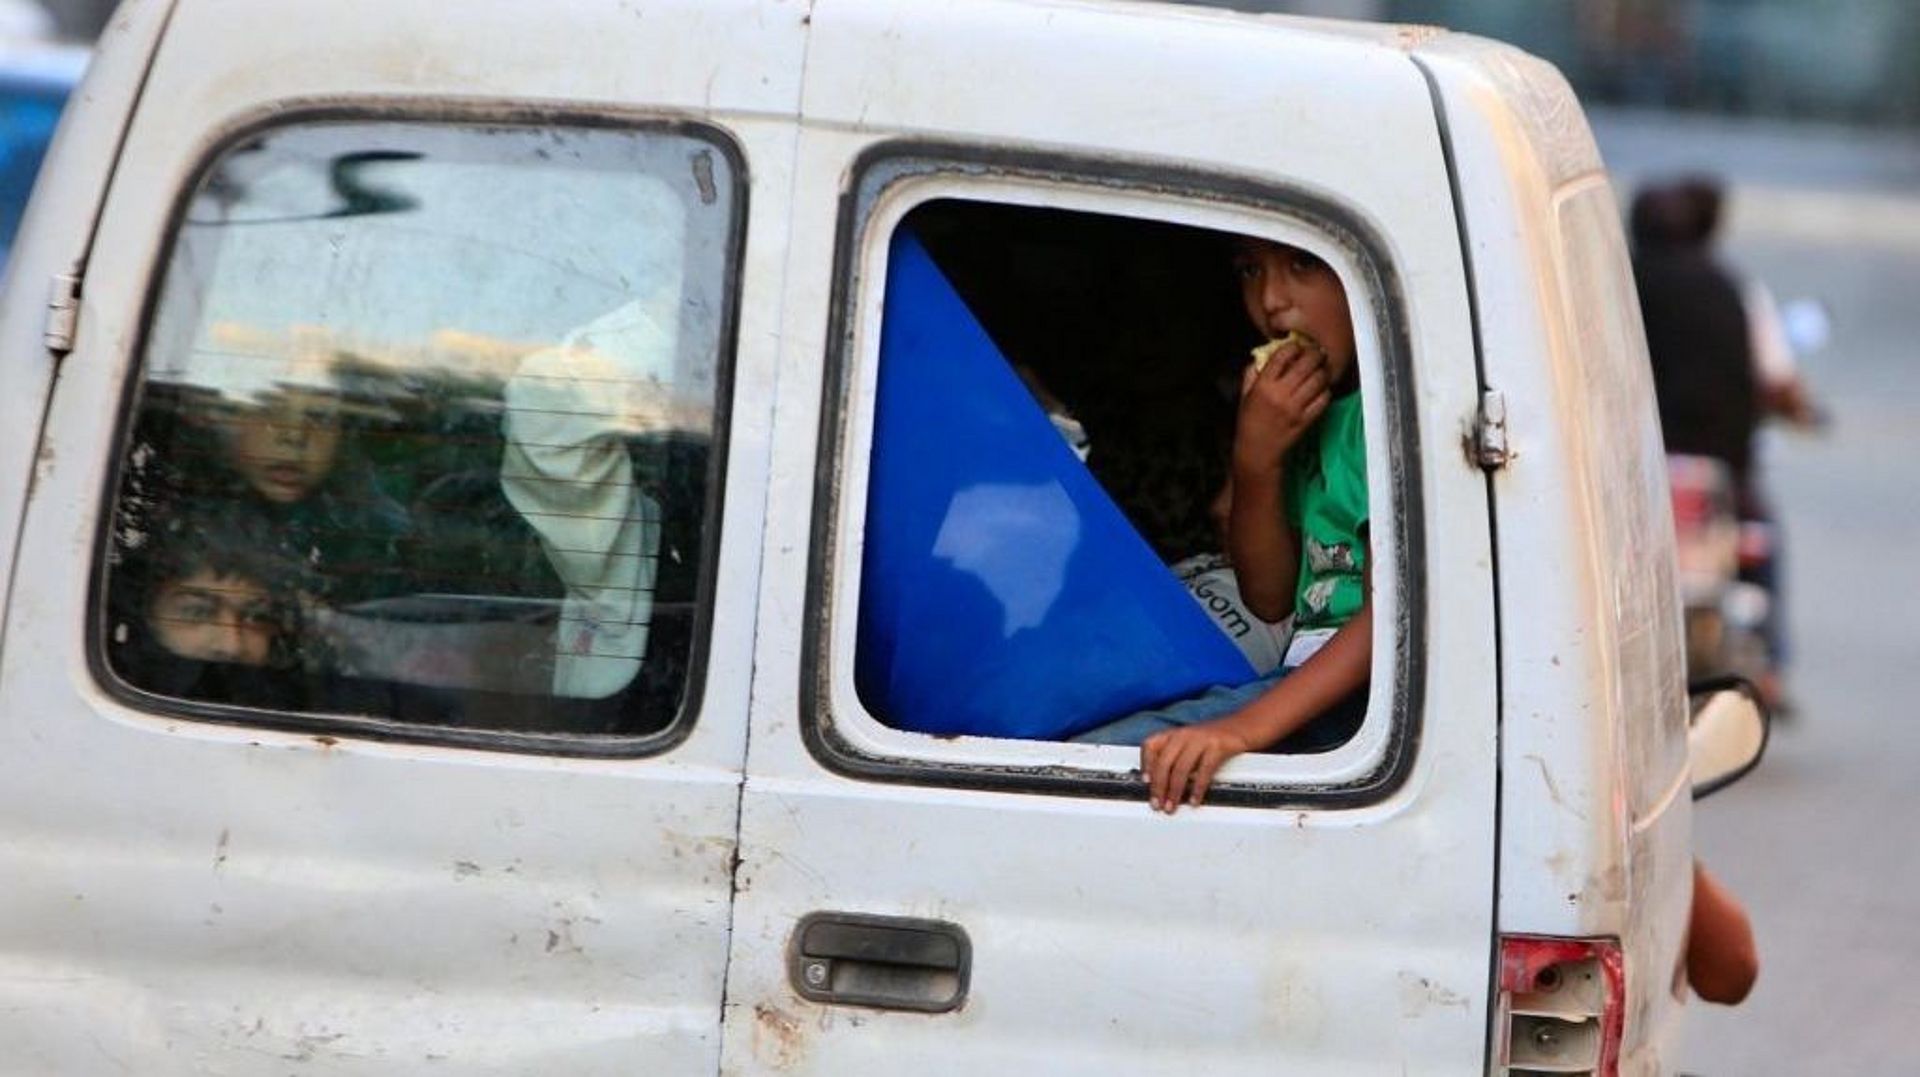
(1039, 382)
(426, 435)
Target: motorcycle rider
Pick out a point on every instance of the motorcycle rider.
(1719, 366)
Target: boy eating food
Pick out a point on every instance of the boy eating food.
(1297, 533)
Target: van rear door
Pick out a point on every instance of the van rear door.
(956, 904)
(409, 799)
(1599, 668)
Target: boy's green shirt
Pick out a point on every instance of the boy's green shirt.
(1325, 484)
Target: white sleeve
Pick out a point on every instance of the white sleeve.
(1773, 360)
(571, 412)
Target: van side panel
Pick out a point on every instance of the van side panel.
(1595, 814)
(190, 897)
(1107, 939)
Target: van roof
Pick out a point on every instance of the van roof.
(1403, 36)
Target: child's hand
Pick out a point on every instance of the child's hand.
(1180, 763)
(1279, 403)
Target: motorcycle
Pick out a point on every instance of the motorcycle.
(1728, 551)
(1725, 614)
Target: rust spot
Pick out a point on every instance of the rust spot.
(309, 1045)
(560, 938)
(1611, 883)
(42, 470)
(1560, 863)
(1413, 36)
(1553, 788)
(778, 1037)
(325, 741)
(703, 177)
(1418, 994)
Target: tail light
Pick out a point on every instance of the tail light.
(1756, 543)
(1693, 507)
(1562, 1006)
(1706, 532)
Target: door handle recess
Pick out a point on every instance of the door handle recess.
(891, 963)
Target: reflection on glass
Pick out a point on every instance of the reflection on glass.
(457, 385)
(1017, 541)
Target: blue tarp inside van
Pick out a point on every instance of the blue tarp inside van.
(1003, 594)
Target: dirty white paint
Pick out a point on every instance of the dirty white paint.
(53, 240)
(186, 898)
(1107, 939)
(1595, 821)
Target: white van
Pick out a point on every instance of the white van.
(439, 492)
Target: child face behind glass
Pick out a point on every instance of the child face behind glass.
(1289, 289)
(212, 616)
(285, 447)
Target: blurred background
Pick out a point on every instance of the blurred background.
(1808, 111)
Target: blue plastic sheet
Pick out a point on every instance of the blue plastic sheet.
(1003, 593)
(29, 111)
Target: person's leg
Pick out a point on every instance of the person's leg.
(1768, 575)
(1216, 702)
(1761, 565)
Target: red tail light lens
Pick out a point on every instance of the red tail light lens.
(1756, 543)
(1562, 1006)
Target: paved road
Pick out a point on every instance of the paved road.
(1821, 839)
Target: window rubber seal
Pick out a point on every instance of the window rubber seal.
(328, 727)
(877, 170)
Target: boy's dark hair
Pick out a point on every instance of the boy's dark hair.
(155, 548)
(225, 540)
(155, 545)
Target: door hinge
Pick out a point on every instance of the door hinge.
(63, 312)
(1489, 449)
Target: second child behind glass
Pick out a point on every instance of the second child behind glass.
(1298, 536)
(284, 456)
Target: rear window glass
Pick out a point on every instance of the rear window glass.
(425, 429)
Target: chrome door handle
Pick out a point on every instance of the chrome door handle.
(888, 962)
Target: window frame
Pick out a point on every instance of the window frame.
(878, 193)
(477, 117)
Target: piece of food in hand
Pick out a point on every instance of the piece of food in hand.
(1265, 351)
